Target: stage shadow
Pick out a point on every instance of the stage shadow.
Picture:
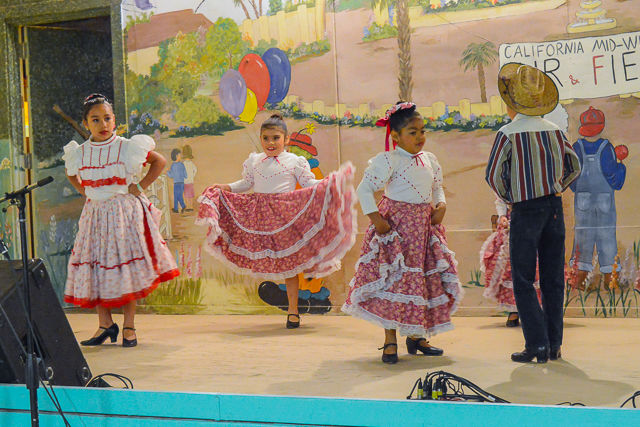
(357, 372)
(500, 324)
(543, 384)
(269, 330)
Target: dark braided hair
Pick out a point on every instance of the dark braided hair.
(276, 121)
(91, 100)
(402, 117)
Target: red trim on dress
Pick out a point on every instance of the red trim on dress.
(100, 167)
(124, 299)
(97, 264)
(114, 180)
(146, 160)
(113, 137)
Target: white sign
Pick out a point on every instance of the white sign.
(590, 67)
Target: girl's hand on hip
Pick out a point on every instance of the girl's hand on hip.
(437, 215)
(133, 189)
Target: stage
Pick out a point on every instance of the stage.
(197, 370)
(337, 356)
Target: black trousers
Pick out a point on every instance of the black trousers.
(537, 231)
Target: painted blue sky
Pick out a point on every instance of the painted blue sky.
(212, 9)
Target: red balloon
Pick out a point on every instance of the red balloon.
(256, 75)
(621, 152)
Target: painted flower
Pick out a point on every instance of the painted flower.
(310, 128)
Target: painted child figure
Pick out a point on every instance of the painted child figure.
(595, 205)
(496, 266)
(406, 278)
(276, 232)
(119, 255)
(178, 173)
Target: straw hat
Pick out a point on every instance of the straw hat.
(526, 89)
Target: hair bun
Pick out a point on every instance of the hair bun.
(94, 96)
(276, 116)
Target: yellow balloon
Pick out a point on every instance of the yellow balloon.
(250, 107)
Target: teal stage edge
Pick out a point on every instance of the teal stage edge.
(116, 407)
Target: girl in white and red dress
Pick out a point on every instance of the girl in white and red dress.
(276, 232)
(406, 278)
(119, 255)
(496, 266)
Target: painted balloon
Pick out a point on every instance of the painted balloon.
(279, 72)
(256, 75)
(233, 92)
(250, 108)
(621, 152)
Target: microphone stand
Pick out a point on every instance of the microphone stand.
(19, 199)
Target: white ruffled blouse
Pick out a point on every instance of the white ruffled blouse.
(405, 177)
(277, 174)
(107, 168)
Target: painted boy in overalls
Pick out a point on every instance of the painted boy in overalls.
(595, 207)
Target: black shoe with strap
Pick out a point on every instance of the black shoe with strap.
(541, 354)
(290, 324)
(554, 353)
(413, 345)
(513, 319)
(389, 358)
(126, 342)
(110, 332)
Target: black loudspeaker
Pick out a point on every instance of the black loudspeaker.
(63, 362)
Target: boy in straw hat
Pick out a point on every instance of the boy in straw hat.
(530, 165)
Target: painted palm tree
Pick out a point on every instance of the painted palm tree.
(244, 7)
(403, 23)
(477, 55)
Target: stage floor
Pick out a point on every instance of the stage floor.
(337, 356)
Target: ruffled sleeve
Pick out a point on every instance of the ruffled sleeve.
(437, 191)
(138, 148)
(72, 158)
(501, 206)
(303, 173)
(247, 181)
(375, 177)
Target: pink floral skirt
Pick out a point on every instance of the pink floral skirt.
(406, 279)
(495, 264)
(118, 255)
(276, 236)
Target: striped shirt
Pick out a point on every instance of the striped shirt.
(531, 158)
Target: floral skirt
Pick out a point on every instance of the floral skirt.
(118, 255)
(276, 236)
(496, 268)
(406, 279)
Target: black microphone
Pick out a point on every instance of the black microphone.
(26, 189)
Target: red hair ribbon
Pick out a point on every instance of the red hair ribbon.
(385, 121)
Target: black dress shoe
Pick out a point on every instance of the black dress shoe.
(541, 354)
(126, 342)
(290, 324)
(110, 332)
(513, 320)
(389, 358)
(414, 345)
(554, 354)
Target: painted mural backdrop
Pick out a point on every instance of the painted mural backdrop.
(202, 75)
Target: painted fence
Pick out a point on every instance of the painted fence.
(420, 19)
(465, 107)
(303, 25)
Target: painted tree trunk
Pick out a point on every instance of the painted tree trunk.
(405, 78)
(244, 8)
(481, 80)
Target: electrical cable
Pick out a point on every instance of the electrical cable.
(98, 381)
(632, 399)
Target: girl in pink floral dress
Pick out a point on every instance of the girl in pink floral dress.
(276, 232)
(496, 266)
(406, 278)
(119, 255)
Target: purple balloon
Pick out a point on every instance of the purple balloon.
(233, 92)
